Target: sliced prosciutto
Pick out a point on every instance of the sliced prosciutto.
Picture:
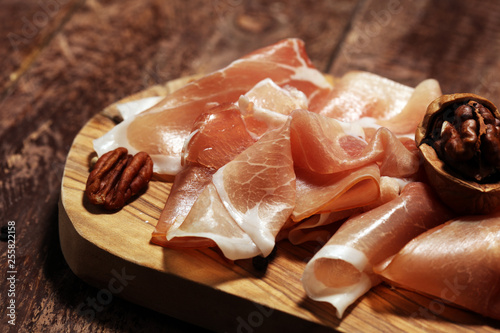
(407, 120)
(217, 137)
(316, 227)
(161, 130)
(360, 94)
(342, 270)
(317, 193)
(249, 199)
(325, 146)
(377, 101)
(458, 262)
(267, 105)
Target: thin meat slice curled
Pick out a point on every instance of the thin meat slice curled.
(366, 194)
(317, 193)
(161, 130)
(457, 262)
(360, 94)
(377, 101)
(217, 137)
(342, 270)
(248, 201)
(325, 146)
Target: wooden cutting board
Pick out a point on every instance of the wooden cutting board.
(112, 252)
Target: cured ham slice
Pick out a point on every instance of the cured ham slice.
(342, 270)
(217, 137)
(360, 94)
(375, 101)
(252, 195)
(161, 130)
(267, 106)
(209, 224)
(317, 193)
(325, 146)
(457, 262)
(315, 228)
(406, 121)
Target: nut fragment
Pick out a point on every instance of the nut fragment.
(459, 138)
(117, 176)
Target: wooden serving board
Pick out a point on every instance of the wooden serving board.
(112, 251)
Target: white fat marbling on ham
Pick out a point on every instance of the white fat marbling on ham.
(271, 104)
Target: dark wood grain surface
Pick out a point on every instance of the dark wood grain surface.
(63, 61)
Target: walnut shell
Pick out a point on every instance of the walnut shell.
(464, 196)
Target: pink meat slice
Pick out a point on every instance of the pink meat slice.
(169, 122)
(320, 193)
(317, 227)
(407, 120)
(360, 95)
(342, 270)
(248, 201)
(325, 146)
(217, 137)
(457, 262)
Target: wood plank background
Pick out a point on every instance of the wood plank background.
(63, 61)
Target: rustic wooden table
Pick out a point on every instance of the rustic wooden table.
(63, 61)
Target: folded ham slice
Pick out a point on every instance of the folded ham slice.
(325, 146)
(342, 270)
(407, 120)
(359, 94)
(317, 227)
(267, 106)
(457, 262)
(216, 138)
(374, 101)
(169, 122)
(248, 201)
(317, 193)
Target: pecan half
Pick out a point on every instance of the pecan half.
(117, 176)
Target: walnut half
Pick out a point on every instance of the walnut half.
(459, 139)
(117, 176)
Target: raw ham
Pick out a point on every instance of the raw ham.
(267, 106)
(375, 101)
(316, 227)
(342, 270)
(249, 199)
(325, 146)
(458, 262)
(267, 149)
(406, 121)
(317, 193)
(361, 94)
(217, 137)
(169, 122)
